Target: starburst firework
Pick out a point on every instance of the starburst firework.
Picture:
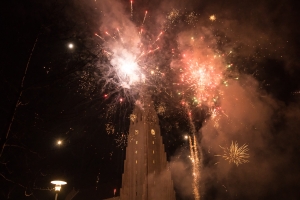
(212, 18)
(235, 154)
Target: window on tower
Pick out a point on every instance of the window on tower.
(136, 142)
(136, 132)
(152, 131)
(132, 117)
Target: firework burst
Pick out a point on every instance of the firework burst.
(212, 18)
(126, 69)
(235, 154)
(203, 80)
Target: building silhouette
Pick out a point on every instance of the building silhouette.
(146, 172)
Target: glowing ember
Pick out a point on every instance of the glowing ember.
(212, 18)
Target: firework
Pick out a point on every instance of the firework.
(110, 35)
(123, 71)
(202, 78)
(173, 15)
(121, 140)
(235, 154)
(144, 17)
(191, 18)
(110, 129)
(158, 37)
(99, 37)
(171, 18)
(130, 65)
(129, 61)
(131, 8)
(120, 35)
(194, 155)
(212, 18)
(161, 109)
(196, 166)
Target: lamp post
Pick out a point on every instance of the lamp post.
(57, 187)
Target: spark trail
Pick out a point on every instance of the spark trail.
(131, 9)
(194, 155)
(144, 17)
(196, 165)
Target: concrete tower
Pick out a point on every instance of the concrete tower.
(146, 171)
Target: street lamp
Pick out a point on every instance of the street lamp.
(70, 46)
(57, 187)
(59, 142)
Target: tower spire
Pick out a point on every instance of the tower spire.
(146, 172)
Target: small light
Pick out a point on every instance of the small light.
(59, 142)
(186, 137)
(58, 184)
(57, 187)
(70, 46)
(212, 18)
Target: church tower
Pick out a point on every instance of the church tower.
(146, 171)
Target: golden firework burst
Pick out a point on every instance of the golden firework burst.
(235, 154)
(212, 18)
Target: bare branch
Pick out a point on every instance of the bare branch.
(19, 98)
(12, 181)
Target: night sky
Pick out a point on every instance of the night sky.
(51, 92)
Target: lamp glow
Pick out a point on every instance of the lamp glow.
(58, 184)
